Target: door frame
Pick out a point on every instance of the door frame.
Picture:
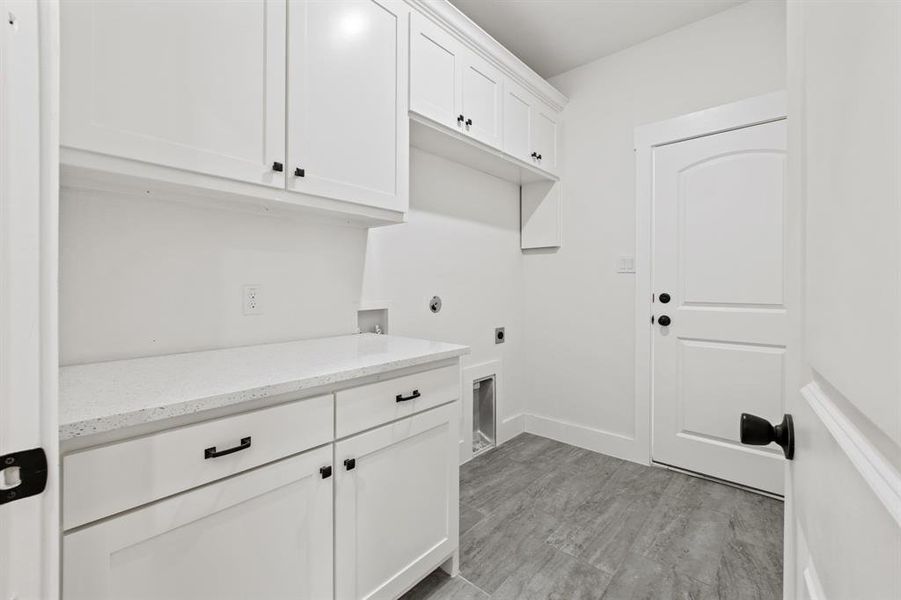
(736, 115)
(29, 186)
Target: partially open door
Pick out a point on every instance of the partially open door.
(29, 509)
(843, 489)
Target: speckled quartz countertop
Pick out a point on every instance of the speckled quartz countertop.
(103, 397)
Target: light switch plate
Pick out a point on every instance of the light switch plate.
(625, 264)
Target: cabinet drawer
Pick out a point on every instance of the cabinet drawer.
(102, 481)
(371, 405)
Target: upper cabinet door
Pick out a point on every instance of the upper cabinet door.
(518, 122)
(348, 130)
(544, 137)
(435, 71)
(195, 85)
(482, 99)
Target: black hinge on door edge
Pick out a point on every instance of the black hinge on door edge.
(32, 465)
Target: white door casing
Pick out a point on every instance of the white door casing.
(348, 128)
(843, 489)
(29, 166)
(194, 85)
(718, 252)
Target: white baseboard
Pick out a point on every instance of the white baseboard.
(596, 440)
(511, 427)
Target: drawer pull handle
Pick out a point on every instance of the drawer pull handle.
(211, 451)
(402, 398)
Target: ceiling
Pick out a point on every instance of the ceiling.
(554, 36)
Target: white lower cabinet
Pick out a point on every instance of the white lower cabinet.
(264, 534)
(396, 495)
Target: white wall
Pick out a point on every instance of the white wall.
(579, 313)
(461, 242)
(140, 278)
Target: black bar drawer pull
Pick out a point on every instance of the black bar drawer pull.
(211, 451)
(402, 398)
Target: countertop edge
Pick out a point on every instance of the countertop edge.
(149, 415)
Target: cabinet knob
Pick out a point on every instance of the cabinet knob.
(539, 157)
(298, 172)
(278, 167)
(469, 122)
(534, 155)
(326, 472)
(460, 120)
(350, 463)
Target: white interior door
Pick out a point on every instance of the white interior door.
(29, 525)
(718, 252)
(194, 85)
(843, 517)
(348, 128)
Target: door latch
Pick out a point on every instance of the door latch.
(22, 474)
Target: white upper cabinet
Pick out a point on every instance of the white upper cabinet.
(544, 137)
(436, 60)
(198, 86)
(348, 130)
(518, 108)
(481, 103)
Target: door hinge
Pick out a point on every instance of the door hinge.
(22, 474)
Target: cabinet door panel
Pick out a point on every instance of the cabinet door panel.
(435, 68)
(544, 137)
(347, 119)
(481, 93)
(264, 534)
(396, 510)
(518, 122)
(195, 85)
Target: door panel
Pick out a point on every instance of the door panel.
(518, 122)
(348, 124)
(544, 137)
(481, 93)
(208, 96)
(845, 481)
(395, 511)
(718, 252)
(435, 68)
(264, 534)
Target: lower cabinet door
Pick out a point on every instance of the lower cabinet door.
(265, 534)
(396, 496)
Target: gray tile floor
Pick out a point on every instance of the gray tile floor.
(544, 520)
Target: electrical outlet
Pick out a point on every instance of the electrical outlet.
(253, 299)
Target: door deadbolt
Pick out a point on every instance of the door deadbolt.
(664, 298)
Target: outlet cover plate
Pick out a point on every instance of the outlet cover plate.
(252, 299)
